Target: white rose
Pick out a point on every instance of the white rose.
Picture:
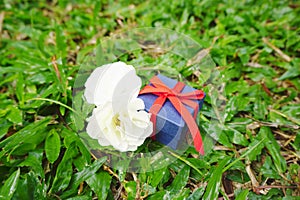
(112, 82)
(119, 118)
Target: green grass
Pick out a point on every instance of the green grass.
(255, 45)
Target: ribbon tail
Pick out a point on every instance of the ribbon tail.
(188, 118)
(198, 143)
(153, 120)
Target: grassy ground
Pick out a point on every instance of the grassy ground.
(255, 45)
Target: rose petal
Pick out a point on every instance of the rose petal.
(94, 131)
(137, 115)
(126, 89)
(92, 83)
(110, 82)
(107, 128)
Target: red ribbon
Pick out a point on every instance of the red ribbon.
(178, 100)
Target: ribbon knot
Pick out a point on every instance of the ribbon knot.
(178, 100)
(169, 94)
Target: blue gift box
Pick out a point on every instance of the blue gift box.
(171, 129)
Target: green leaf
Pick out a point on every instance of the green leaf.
(10, 185)
(294, 172)
(60, 41)
(243, 53)
(71, 136)
(156, 176)
(64, 170)
(255, 151)
(260, 108)
(100, 184)
(217, 132)
(246, 153)
(35, 163)
(165, 179)
(238, 176)
(30, 187)
(83, 175)
(213, 185)
(236, 86)
(290, 73)
(236, 137)
(20, 88)
(268, 169)
(234, 105)
(242, 195)
(180, 180)
(147, 189)
(273, 148)
(197, 194)
(24, 134)
(88, 172)
(130, 188)
(81, 197)
(187, 162)
(160, 195)
(4, 126)
(27, 134)
(122, 167)
(296, 144)
(52, 146)
(15, 115)
(182, 194)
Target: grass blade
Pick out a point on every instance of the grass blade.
(10, 185)
(213, 186)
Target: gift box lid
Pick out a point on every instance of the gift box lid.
(168, 112)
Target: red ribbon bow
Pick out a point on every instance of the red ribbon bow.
(178, 100)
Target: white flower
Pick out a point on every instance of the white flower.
(111, 82)
(119, 118)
